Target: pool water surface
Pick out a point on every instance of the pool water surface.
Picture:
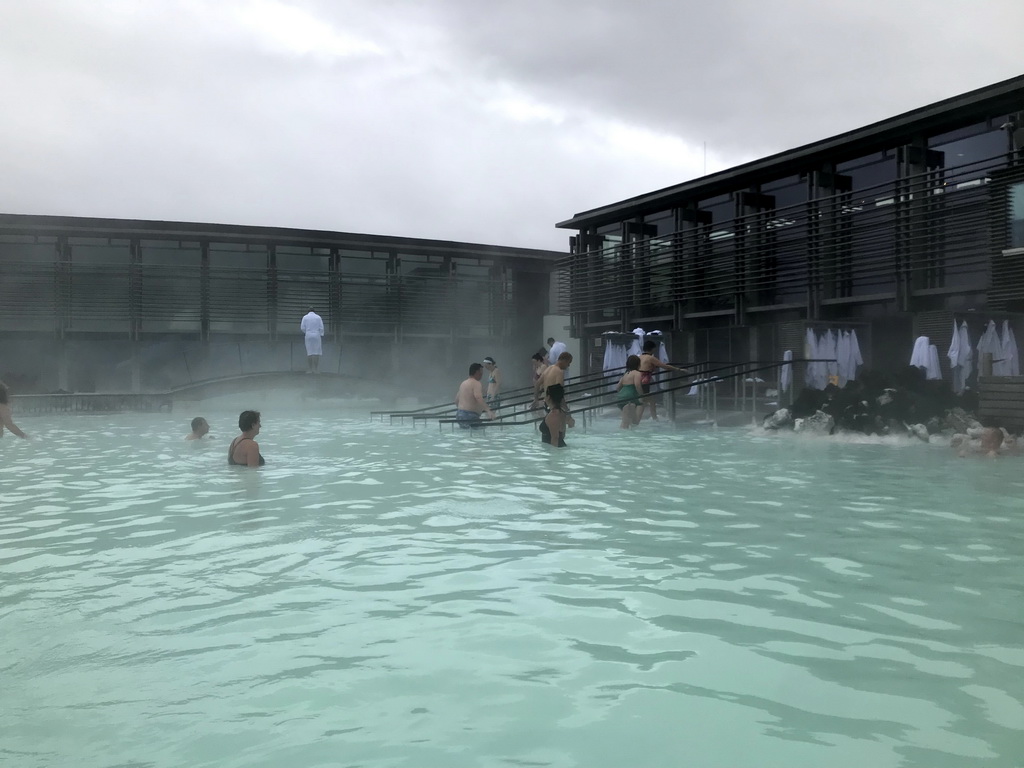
(395, 596)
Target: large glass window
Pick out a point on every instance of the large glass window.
(368, 292)
(971, 158)
(871, 176)
(715, 270)
(1017, 216)
(99, 284)
(791, 190)
(424, 296)
(303, 281)
(658, 229)
(239, 299)
(477, 296)
(27, 295)
(169, 292)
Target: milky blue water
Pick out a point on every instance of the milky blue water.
(393, 596)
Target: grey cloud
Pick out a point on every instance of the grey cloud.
(744, 76)
(166, 110)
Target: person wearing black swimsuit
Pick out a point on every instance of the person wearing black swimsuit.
(552, 428)
(244, 450)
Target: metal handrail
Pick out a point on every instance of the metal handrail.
(701, 382)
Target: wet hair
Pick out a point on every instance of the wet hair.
(473, 368)
(4, 393)
(649, 345)
(557, 394)
(197, 422)
(539, 356)
(633, 363)
(248, 419)
(489, 360)
(565, 356)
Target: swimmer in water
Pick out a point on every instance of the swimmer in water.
(990, 442)
(5, 413)
(630, 389)
(244, 450)
(493, 394)
(552, 429)
(649, 365)
(200, 428)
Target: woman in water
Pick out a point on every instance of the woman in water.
(493, 395)
(630, 389)
(5, 413)
(649, 365)
(244, 450)
(552, 429)
(539, 363)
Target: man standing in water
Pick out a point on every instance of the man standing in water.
(312, 326)
(553, 374)
(469, 402)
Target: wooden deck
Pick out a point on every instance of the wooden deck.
(1001, 401)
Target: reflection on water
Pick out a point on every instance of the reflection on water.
(396, 596)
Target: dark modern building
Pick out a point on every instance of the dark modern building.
(115, 305)
(895, 229)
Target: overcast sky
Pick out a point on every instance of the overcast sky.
(477, 120)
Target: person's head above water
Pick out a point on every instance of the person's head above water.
(248, 420)
(476, 371)
(556, 394)
(633, 363)
(199, 426)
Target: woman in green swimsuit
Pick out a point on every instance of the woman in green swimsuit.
(630, 390)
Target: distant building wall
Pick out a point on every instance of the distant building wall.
(114, 305)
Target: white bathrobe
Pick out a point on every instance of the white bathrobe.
(786, 375)
(312, 326)
(852, 353)
(1008, 364)
(919, 357)
(990, 343)
(614, 356)
(1010, 350)
(556, 349)
(932, 370)
(960, 357)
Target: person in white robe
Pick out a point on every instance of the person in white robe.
(312, 326)
(555, 348)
